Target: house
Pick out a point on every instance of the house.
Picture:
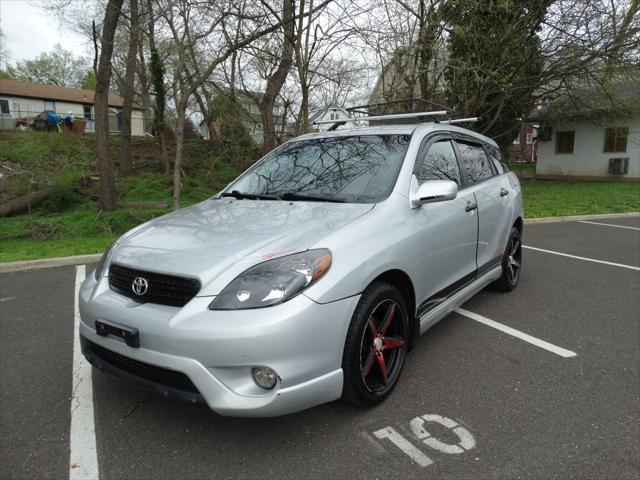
(524, 147)
(328, 114)
(23, 100)
(591, 135)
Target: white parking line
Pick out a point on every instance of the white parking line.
(517, 333)
(630, 267)
(83, 458)
(610, 225)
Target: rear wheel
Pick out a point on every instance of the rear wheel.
(376, 346)
(511, 263)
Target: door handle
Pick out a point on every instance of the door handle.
(503, 192)
(470, 206)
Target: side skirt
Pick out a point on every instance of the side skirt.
(433, 316)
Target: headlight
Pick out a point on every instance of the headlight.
(98, 271)
(274, 281)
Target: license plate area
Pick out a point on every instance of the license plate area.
(130, 335)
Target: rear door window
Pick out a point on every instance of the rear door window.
(475, 162)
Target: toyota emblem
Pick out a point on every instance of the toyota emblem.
(140, 286)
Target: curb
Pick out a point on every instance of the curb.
(576, 218)
(48, 263)
(80, 259)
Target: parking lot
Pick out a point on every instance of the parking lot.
(543, 382)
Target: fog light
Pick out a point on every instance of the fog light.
(265, 377)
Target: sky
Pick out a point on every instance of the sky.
(28, 30)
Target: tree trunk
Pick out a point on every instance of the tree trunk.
(25, 202)
(157, 79)
(181, 113)
(129, 78)
(101, 103)
(304, 109)
(144, 88)
(276, 81)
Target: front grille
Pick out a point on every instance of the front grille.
(151, 373)
(162, 289)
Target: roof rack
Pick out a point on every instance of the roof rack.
(412, 103)
(400, 116)
(438, 114)
(391, 116)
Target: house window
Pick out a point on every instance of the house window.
(564, 142)
(529, 138)
(4, 106)
(615, 139)
(87, 111)
(49, 106)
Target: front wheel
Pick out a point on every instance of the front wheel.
(376, 346)
(511, 263)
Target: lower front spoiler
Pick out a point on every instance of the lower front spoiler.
(100, 358)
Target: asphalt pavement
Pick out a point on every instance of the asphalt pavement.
(496, 405)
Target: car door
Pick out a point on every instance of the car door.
(446, 232)
(490, 190)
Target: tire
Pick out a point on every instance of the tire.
(511, 263)
(376, 345)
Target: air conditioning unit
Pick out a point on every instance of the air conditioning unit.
(619, 166)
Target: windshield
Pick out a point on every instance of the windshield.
(359, 169)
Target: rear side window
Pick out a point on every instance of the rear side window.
(439, 163)
(475, 162)
(496, 158)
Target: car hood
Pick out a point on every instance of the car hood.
(206, 239)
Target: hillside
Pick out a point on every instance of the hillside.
(68, 221)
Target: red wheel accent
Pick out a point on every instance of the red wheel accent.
(380, 354)
(369, 365)
(383, 366)
(372, 327)
(388, 318)
(391, 342)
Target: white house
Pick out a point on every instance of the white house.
(328, 114)
(591, 140)
(22, 100)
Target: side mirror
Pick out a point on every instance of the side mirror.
(433, 191)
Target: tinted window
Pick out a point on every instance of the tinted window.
(496, 158)
(475, 162)
(354, 169)
(439, 163)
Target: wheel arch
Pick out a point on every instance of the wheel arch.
(519, 224)
(401, 280)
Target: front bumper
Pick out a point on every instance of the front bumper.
(300, 339)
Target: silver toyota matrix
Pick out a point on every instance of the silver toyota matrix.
(310, 276)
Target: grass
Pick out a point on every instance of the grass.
(545, 198)
(68, 222)
(523, 169)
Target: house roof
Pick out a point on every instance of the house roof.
(17, 88)
(316, 114)
(621, 98)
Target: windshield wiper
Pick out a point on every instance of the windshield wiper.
(249, 196)
(310, 198)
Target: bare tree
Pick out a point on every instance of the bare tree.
(128, 93)
(101, 103)
(276, 80)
